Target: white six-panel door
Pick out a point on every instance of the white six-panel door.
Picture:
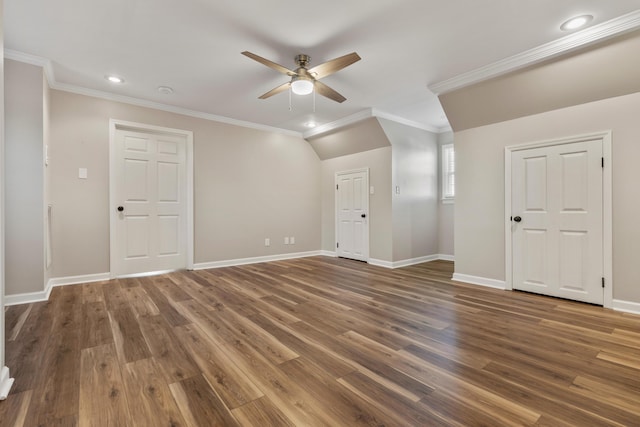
(557, 220)
(150, 185)
(352, 204)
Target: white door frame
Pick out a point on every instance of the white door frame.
(115, 125)
(335, 205)
(607, 223)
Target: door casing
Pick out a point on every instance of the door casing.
(115, 125)
(607, 231)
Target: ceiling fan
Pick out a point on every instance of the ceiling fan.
(304, 80)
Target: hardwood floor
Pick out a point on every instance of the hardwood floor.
(317, 342)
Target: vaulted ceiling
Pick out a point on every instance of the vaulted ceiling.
(410, 49)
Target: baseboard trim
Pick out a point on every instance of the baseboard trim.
(408, 262)
(626, 306)
(380, 263)
(5, 382)
(31, 297)
(480, 281)
(74, 280)
(28, 297)
(331, 254)
(255, 260)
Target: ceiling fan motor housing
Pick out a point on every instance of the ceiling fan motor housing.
(303, 60)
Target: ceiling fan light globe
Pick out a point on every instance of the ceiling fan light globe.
(302, 86)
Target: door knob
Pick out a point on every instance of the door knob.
(120, 208)
(363, 215)
(517, 219)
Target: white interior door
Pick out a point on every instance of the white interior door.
(557, 220)
(352, 204)
(150, 197)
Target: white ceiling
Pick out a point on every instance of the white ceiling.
(194, 47)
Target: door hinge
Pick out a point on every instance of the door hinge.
(337, 245)
(603, 162)
(336, 186)
(603, 282)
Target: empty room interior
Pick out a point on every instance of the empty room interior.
(390, 213)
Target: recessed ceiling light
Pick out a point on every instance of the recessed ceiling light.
(115, 79)
(166, 90)
(310, 124)
(576, 22)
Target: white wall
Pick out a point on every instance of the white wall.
(415, 174)
(24, 178)
(445, 210)
(379, 163)
(479, 213)
(249, 184)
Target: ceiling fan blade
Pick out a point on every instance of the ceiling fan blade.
(268, 63)
(337, 64)
(324, 90)
(275, 90)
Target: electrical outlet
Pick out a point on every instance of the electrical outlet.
(292, 240)
(286, 240)
(267, 242)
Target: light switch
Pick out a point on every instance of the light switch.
(397, 189)
(372, 190)
(82, 173)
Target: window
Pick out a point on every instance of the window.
(448, 173)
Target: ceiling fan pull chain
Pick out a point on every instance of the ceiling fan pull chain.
(314, 99)
(289, 98)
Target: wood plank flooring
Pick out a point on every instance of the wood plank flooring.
(317, 342)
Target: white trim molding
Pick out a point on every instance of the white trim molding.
(31, 297)
(65, 87)
(74, 280)
(626, 306)
(591, 35)
(28, 297)
(367, 114)
(408, 262)
(256, 260)
(5, 382)
(380, 263)
(331, 254)
(481, 281)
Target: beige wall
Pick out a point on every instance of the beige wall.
(355, 138)
(479, 213)
(249, 185)
(415, 208)
(379, 163)
(445, 210)
(24, 178)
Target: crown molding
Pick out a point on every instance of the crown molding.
(328, 127)
(340, 123)
(366, 114)
(33, 60)
(169, 108)
(53, 84)
(382, 115)
(591, 35)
